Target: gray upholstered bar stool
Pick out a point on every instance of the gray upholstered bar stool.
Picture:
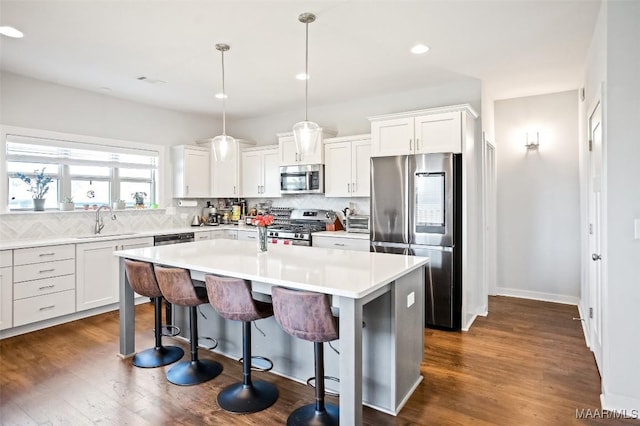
(307, 315)
(231, 298)
(143, 281)
(178, 289)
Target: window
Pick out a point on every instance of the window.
(90, 173)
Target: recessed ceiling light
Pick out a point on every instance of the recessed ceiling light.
(221, 96)
(419, 49)
(11, 32)
(302, 76)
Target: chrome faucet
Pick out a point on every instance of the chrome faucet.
(99, 223)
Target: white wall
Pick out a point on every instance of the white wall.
(350, 118)
(621, 261)
(538, 211)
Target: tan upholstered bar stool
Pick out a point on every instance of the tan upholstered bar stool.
(178, 289)
(143, 281)
(307, 315)
(231, 298)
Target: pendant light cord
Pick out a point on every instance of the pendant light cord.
(224, 95)
(306, 71)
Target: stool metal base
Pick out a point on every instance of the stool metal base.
(241, 398)
(188, 373)
(308, 415)
(157, 357)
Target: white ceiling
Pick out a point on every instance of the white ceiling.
(356, 48)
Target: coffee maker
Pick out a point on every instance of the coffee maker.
(210, 213)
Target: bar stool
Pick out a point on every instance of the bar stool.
(307, 315)
(231, 298)
(143, 281)
(178, 289)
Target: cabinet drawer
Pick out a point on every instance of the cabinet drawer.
(5, 258)
(39, 308)
(43, 254)
(341, 243)
(44, 270)
(39, 287)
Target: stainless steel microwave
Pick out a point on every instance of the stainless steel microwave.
(306, 179)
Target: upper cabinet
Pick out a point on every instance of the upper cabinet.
(226, 174)
(347, 166)
(191, 166)
(289, 155)
(420, 132)
(261, 172)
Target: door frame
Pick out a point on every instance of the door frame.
(596, 345)
(489, 209)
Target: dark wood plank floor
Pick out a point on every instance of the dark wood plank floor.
(525, 364)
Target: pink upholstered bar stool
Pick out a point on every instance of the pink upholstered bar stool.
(307, 315)
(231, 298)
(142, 279)
(178, 289)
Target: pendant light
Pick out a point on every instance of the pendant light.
(222, 143)
(306, 133)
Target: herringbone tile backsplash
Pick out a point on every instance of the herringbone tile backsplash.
(53, 224)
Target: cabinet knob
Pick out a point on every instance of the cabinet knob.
(348, 188)
(417, 144)
(410, 140)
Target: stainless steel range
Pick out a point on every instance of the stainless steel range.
(297, 228)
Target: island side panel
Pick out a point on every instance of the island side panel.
(127, 315)
(408, 295)
(350, 361)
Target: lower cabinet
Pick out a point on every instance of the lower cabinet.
(229, 234)
(6, 289)
(248, 234)
(97, 272)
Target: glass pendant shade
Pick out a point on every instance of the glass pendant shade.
(221, 146)
(306, 135)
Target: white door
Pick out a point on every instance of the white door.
(595, 233)
(271, 171)
(490, 218)
(361, 168)
(337, 172)
(251, 174)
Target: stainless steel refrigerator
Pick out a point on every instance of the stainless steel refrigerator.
(416, 210)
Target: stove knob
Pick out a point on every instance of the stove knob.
(296, 235)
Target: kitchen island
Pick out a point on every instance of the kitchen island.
(379, 297)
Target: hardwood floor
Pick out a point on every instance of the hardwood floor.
(524, 364)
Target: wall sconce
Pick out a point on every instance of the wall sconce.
(532, 140)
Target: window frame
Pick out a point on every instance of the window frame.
(64, 183)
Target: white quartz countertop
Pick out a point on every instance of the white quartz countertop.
(342, 234)
(18, 244)
(346, 273)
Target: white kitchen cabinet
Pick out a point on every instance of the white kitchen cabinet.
(250, 234)
(420, 132)
(228, 234)
(225, 181)
(98, 273)
(355, 243)
(191, 171)
(261, 172)
(289, 155)
(43, 283)
(201, 236)
(6, 289)
(347, 166)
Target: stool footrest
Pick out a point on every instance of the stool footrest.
(311, 380)
(170, 330)
(214, 343)
(268, 364)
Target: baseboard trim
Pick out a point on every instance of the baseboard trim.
(469, 323)
(584, 325)
(535, 295)
(621, 405)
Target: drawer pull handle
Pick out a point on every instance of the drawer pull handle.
(338, 244)
(46, 287)
(47, 270)
(252, 237)
(46, 254)
(47, 307)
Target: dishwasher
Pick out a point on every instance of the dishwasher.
(164, 240)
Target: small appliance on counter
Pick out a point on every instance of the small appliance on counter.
(358, 223)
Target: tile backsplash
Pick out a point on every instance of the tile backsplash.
(53, 224)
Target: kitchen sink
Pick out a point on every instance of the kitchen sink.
(89, 237)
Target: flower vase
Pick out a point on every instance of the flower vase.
(38, 204)
(262, 238)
